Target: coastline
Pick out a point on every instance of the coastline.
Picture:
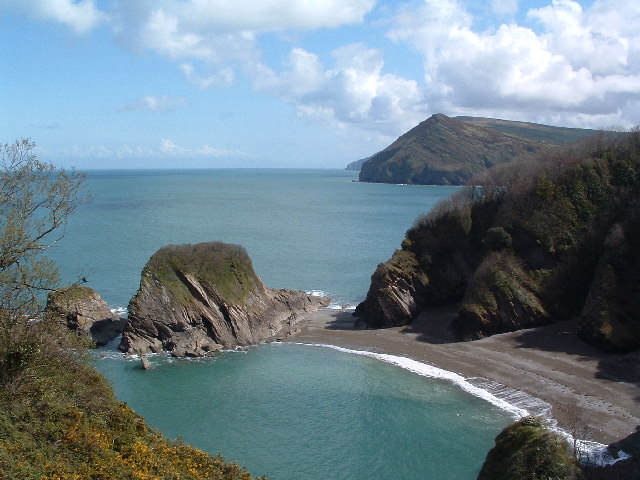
(547, 371)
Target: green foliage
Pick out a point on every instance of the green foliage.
(226, 268)
(36, 199)
(496, 239)
(529, 450)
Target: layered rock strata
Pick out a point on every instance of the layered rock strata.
(196, 299)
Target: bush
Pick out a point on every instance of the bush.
(529, 450)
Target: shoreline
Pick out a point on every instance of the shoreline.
(547, 371)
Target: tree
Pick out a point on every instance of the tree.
(36, 200)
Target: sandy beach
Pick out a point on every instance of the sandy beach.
(548, 371)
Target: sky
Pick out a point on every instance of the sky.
(300, 83)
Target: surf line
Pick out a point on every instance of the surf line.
(592, 452)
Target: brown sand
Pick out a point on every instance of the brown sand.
(594, 395)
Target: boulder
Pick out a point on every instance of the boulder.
(194, 300)
(83, 311)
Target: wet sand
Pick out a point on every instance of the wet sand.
(548, 371)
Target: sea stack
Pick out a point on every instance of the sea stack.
(194, 300)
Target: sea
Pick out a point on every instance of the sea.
(288, 411)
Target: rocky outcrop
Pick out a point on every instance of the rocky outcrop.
(528, 448)
(500, 298)
(196, 299)
(427, 271)
(82, 310)
(609, 318)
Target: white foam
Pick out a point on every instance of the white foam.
(317, 293)
(430, 371)
(120, 311)
(513, 401)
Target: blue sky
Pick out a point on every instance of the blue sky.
(300, 83)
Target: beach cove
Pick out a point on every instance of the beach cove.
(546, 371)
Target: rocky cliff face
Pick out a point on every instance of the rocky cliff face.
(196, 299)
(83, 311)
(553, 237)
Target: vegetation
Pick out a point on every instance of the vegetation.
(532, 131)
(449, 151)
(551, 235)
(58, 417)
(529, 450)
(227, 268)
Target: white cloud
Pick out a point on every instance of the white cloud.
(222, 34)
(81, 16)
(354, 92)
(583, 63)
(222, 78)
(165, 148)
(267, 15)
(504, 8)
(152, 103)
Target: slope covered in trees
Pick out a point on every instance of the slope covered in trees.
(552, 236)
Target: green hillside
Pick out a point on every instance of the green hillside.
(449, 151)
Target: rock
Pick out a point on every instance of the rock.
(528, 448)
(432, 268)
(144, 362)
(83, 311)
(501, 297)
(194, 300)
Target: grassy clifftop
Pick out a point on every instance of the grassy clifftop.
(225, 266)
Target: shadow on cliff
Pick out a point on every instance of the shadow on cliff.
(562, 337)
(433, 325)
(343, 320)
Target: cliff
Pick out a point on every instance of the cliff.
(449, 151)
(550, 237)
(82, 310)
(196, 299)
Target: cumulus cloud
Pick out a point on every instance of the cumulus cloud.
(355, 91)
(80, 16)
(223, 77)
(575, 62)
(152, 103)
(222, 34)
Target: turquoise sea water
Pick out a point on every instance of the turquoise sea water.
(287, 411)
